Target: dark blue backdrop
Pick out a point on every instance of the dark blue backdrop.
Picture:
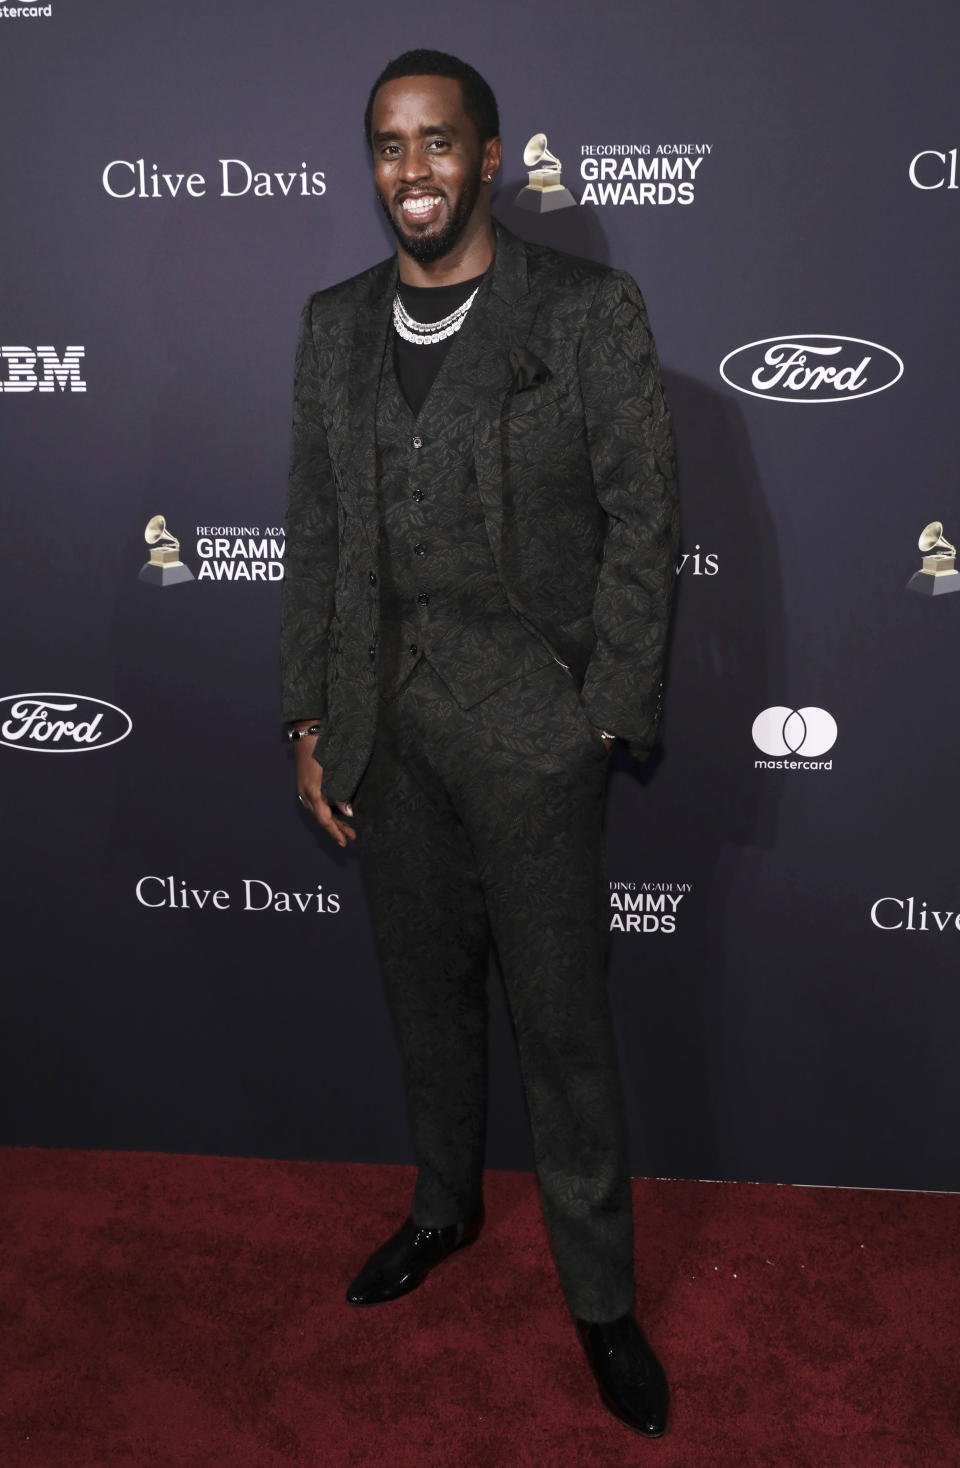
(783, 1026)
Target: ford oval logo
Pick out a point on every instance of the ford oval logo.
(811, 368)
(60, 723)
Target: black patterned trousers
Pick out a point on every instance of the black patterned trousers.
(485, 825)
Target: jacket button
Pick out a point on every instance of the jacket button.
(423, 598)
(372, 650)
(413, 649)
(417, 441)
(417, 495)
(420, 549)
(373, 578)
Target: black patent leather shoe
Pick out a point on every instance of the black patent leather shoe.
(631, 1380)
(406, 1259)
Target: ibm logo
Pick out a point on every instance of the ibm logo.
(41, 370)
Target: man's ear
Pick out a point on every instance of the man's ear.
(492, 151)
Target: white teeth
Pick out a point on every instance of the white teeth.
(421, 205)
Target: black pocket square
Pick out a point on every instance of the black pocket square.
(528, 370)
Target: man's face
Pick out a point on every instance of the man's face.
(428, 163)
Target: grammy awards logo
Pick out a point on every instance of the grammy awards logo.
(938, 573)
(164, 568)
(545, 189)
(646, 907)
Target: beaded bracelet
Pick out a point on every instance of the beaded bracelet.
(302, 733)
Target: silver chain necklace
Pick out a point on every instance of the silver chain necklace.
(425, 333)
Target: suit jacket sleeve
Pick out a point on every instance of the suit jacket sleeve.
(632, 454)
(311, 541)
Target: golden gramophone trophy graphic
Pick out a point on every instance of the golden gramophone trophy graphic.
(164, 567)
(938, 573)
(545, 189)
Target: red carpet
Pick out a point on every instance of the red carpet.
(188, 1312)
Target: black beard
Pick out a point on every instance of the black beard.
(429, 247)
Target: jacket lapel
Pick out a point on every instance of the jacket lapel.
(508, 318)
(354, 432)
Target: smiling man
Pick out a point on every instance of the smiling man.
(481, 542)
(432, 210)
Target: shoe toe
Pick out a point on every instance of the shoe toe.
(406, 1258)
(629, 1377)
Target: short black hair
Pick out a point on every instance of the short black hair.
(479, 102)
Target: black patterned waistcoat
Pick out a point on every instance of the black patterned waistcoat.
(440, 595)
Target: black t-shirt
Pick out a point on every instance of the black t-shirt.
(417, 366)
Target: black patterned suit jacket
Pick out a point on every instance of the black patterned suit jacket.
(575, 468)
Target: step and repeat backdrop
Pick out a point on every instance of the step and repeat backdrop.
(188, 965)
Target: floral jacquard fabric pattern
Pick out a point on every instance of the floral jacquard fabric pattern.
(574, 462)
(480, 826)
(440, 595)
